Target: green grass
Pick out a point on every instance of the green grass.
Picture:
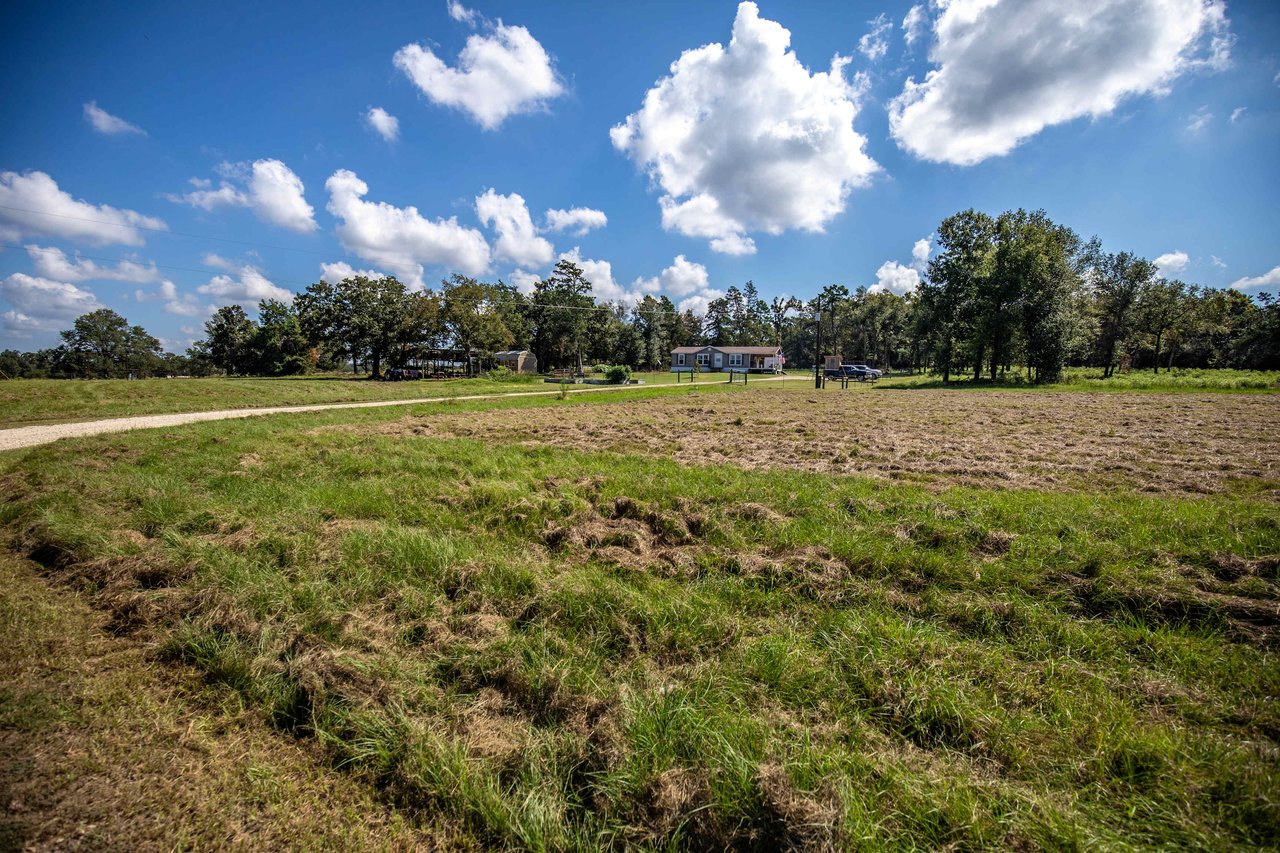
(562, 650)
(39, 401)
(1091, 379)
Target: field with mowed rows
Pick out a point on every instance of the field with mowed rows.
(708, 618)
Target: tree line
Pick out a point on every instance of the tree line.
(1010, 293)
(373, 324)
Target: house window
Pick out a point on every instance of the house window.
(680, 359)
(735, 359)
(702, 358)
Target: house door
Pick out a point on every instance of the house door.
(719, 360)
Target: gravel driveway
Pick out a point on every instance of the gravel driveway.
(31, 436)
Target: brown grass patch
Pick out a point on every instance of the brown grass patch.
(1164, 443)
(100, 749)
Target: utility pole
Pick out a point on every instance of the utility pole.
(817, 353)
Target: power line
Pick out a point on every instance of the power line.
(167, 231)
(606, 307)
(213, 271)
(154, 265)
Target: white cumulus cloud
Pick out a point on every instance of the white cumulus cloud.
(461, 13)
(499, 74)
(577, 221)
(1267, 279)
(518, 241)
(920, 254)
(1007, 69)
(914, 24)
(1172, 262)
(341, 270)
(686, 282)
(387, 125)
(875, 44)
(41, 305)
(600, 273)
(894, 278)
(270, 189)
(31, 204)
(683, 278)
(400, 238)
(699, 303)
(901, 279)
(105, 122)
(523, 280)
(180, 304)
(743, 138)
(734, 244)
(53, 263)
(247, 287)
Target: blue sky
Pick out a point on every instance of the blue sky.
(227, 153)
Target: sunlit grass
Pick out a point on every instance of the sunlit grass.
(1091, 379)
(35, 401)
(575, 650)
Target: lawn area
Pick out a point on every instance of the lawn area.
(1091, 379)
(39, 401)
(703, 621)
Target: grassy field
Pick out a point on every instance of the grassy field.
(620, 621)
(37, 401)
(1091, 379)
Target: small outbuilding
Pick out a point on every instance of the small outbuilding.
(517, 360)
(717, 359)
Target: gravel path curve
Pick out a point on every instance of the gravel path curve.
(31, 436)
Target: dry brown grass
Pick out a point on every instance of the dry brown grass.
(102, 749)
(1162, 443)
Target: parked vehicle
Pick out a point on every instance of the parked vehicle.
(860, 372)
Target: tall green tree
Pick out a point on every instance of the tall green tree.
(229, 336)
(1162, 305)
(1117, 282)
(376, 309)
(1035, 277)
(472, 316)
(562, 308)
(279, 347)
(102, 345)
(362, 316)
(324, 321)
(654, 320)
(965, 245)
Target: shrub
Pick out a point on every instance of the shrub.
(501, 373)
(617, 374)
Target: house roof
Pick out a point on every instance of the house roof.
(510, 352)
(743, 350)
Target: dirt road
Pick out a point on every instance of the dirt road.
(31, 436)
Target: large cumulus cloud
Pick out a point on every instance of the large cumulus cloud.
(745, 139)
(1007, 69)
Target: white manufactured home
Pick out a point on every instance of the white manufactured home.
(716, 359)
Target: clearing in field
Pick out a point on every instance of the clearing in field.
(1179, 444)
(569, 624)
